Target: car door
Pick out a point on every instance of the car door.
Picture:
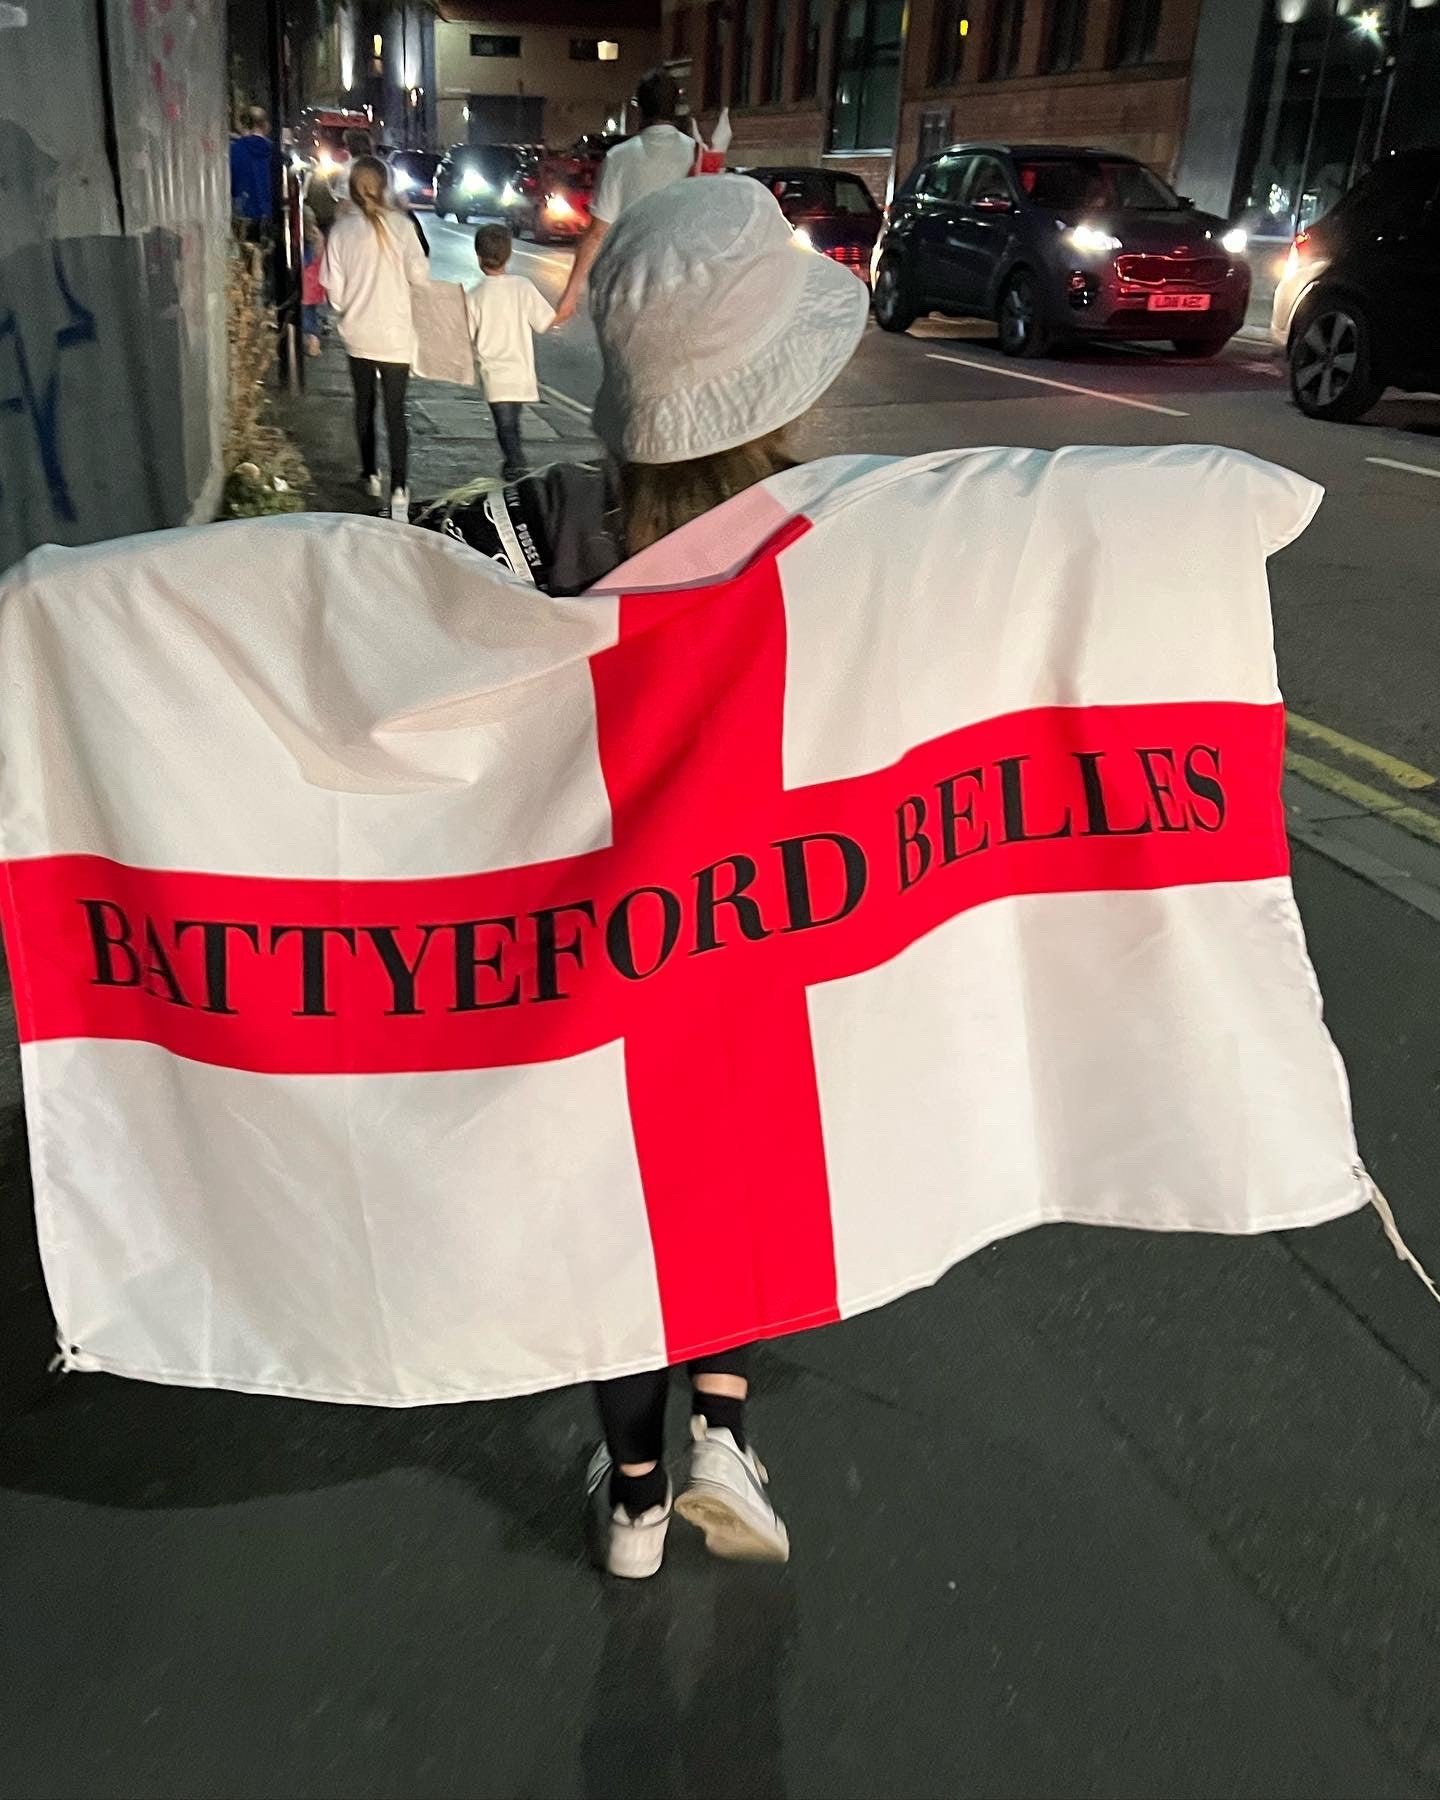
(1405, 270)
(936, 195)
(980, 231)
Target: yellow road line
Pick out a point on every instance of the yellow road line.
(1346, 787)
(1403, 774)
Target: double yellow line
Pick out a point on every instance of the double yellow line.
(1344, 786)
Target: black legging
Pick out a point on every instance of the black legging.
(392, 379)
(632, 1407)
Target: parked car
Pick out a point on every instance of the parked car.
(830, 212)
(554, 199)
(1058, 243)
(1355, 305)
(412, 175)
(477, 181)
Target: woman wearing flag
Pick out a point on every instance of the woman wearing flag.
(717, 331)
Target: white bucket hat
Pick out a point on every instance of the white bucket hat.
(715, 325)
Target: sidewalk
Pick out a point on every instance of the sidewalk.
(452, 441)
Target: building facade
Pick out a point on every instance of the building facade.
(1263, 110)
(506, 72)
(872, 85)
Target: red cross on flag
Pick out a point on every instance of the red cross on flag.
(431, 991)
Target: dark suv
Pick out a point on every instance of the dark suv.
(1356, 305)
(1053, 242)
(477, 181)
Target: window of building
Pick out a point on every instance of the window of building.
(594, 50)
(866, 98)
(1065, 36)
(1137, 33)
(717, 28)
(1318, 110)
(774, 88)
(1002, 53)
(743, 65)
(807, 79)
(484, 43)
(947, 47)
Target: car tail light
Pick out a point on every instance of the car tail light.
(1297, 251)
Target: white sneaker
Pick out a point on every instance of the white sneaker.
(400, 505)
(372, 486)
(726, 1498)
(632, 1548)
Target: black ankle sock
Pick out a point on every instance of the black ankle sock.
(723, 1410)
(638, 1493)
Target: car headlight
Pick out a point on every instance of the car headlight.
(1090, 240)
(803, 238)
(508, 195)
(1233, 242)
(404, 181)
(474, 183)
(559, 207)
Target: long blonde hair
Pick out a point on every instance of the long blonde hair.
(658, 498)
(370, 190)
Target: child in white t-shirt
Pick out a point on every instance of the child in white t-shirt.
(505, 312)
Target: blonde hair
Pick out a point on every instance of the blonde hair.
(658, 498)
(370, 190)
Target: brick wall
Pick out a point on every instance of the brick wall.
(1140, 111)
(1142, 116)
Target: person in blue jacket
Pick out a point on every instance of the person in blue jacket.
(252, 167)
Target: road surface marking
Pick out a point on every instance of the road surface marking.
(1409, 818)
(1389, 462)
(1403, 774)
(567, 401)
(563, 263)
(1069, 387)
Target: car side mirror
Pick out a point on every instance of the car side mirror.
(994, 203)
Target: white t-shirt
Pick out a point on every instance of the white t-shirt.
(652, 159)
(505, 311)
(368, 281)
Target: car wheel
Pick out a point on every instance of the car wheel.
(1210, 346)
(895, 309)
(1023, 331)
(1331, 371)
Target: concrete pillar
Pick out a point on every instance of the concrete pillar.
(1221, 72)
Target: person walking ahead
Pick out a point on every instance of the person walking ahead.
(505, 313)
(372, 261)
(657, 155)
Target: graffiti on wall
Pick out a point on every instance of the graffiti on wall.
(30, 384)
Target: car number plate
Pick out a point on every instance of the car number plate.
(1179, 303)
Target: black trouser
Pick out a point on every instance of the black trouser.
(392, 379)
(632, 1407)
(506, 414)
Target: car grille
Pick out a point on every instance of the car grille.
(1173, 271)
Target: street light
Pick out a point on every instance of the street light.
(1370, 25)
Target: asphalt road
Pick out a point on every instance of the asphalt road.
(1101, 1514)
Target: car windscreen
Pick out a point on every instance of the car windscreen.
(418, 164)
(805, 192)
(493, 162)
(1088, 184)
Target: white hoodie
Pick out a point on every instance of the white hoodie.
(368, 280)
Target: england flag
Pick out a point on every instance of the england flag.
(431, 991)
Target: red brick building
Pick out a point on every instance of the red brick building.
(857, 85)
